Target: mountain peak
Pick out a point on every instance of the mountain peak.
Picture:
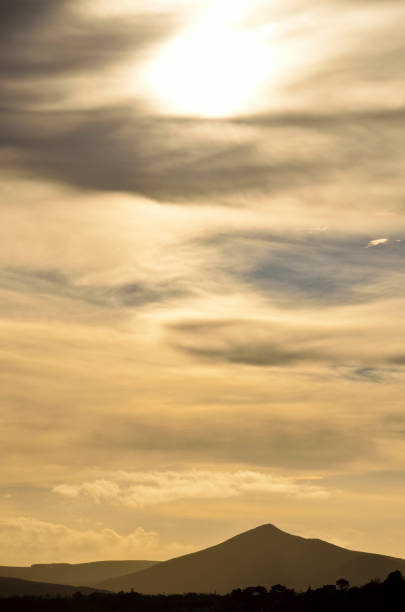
(262, 531)
(263, 555)
(268, 527)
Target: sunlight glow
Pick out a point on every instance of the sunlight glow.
(214, 70)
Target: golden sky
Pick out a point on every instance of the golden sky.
(201, 275)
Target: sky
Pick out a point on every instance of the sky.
(202, 282)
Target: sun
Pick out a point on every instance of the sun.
(213, 70)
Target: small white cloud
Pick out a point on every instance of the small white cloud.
(376, 242)
(67, 490)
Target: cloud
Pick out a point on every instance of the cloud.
(359, 349)
(25, 540)
(53, 282)
(207, 328)
(264, 438)
(265, 353)
(174, 159)
(398, 359)
(261, 343)
(54, 40)
(358, 74)
(368, 374)
(386, 481)
(138, 489)
(376, 242)
(123, 145)
(296, 269)
(248, 342)
(128, 151)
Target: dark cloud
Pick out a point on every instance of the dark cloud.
(50, 282)
(254, 439)
(345, 122)
(44, 43)
(367, 374)
(257, 354)
(274, 344)
(122, 149)
(398, 359)
(249, 342)
(298, 269)
(48, 38)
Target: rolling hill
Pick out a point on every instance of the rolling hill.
(266, 556)
(89, 574)
(10, 587)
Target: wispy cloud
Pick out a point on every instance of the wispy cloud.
(270, 343)
(296, 269)
(177, 290)
(175, 159)
(83, 45)
(138, 489)
(53, 282)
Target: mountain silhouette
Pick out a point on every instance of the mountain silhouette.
(10, 587)
(264, 555)
(89, 574)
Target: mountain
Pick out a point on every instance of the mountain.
(89, 574)
(10, 587)
(262, 556)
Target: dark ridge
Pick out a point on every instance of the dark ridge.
(10, 587)
(89, 574)
(264, 555)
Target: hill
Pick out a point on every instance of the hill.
(266, 556)
(10, 587)
(89, 574)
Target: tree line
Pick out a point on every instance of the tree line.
(375, 596)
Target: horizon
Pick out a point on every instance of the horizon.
(201, 275)
(68, 563)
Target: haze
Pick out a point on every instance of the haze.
(201, 275)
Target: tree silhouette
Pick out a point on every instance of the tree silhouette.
(342, 584)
